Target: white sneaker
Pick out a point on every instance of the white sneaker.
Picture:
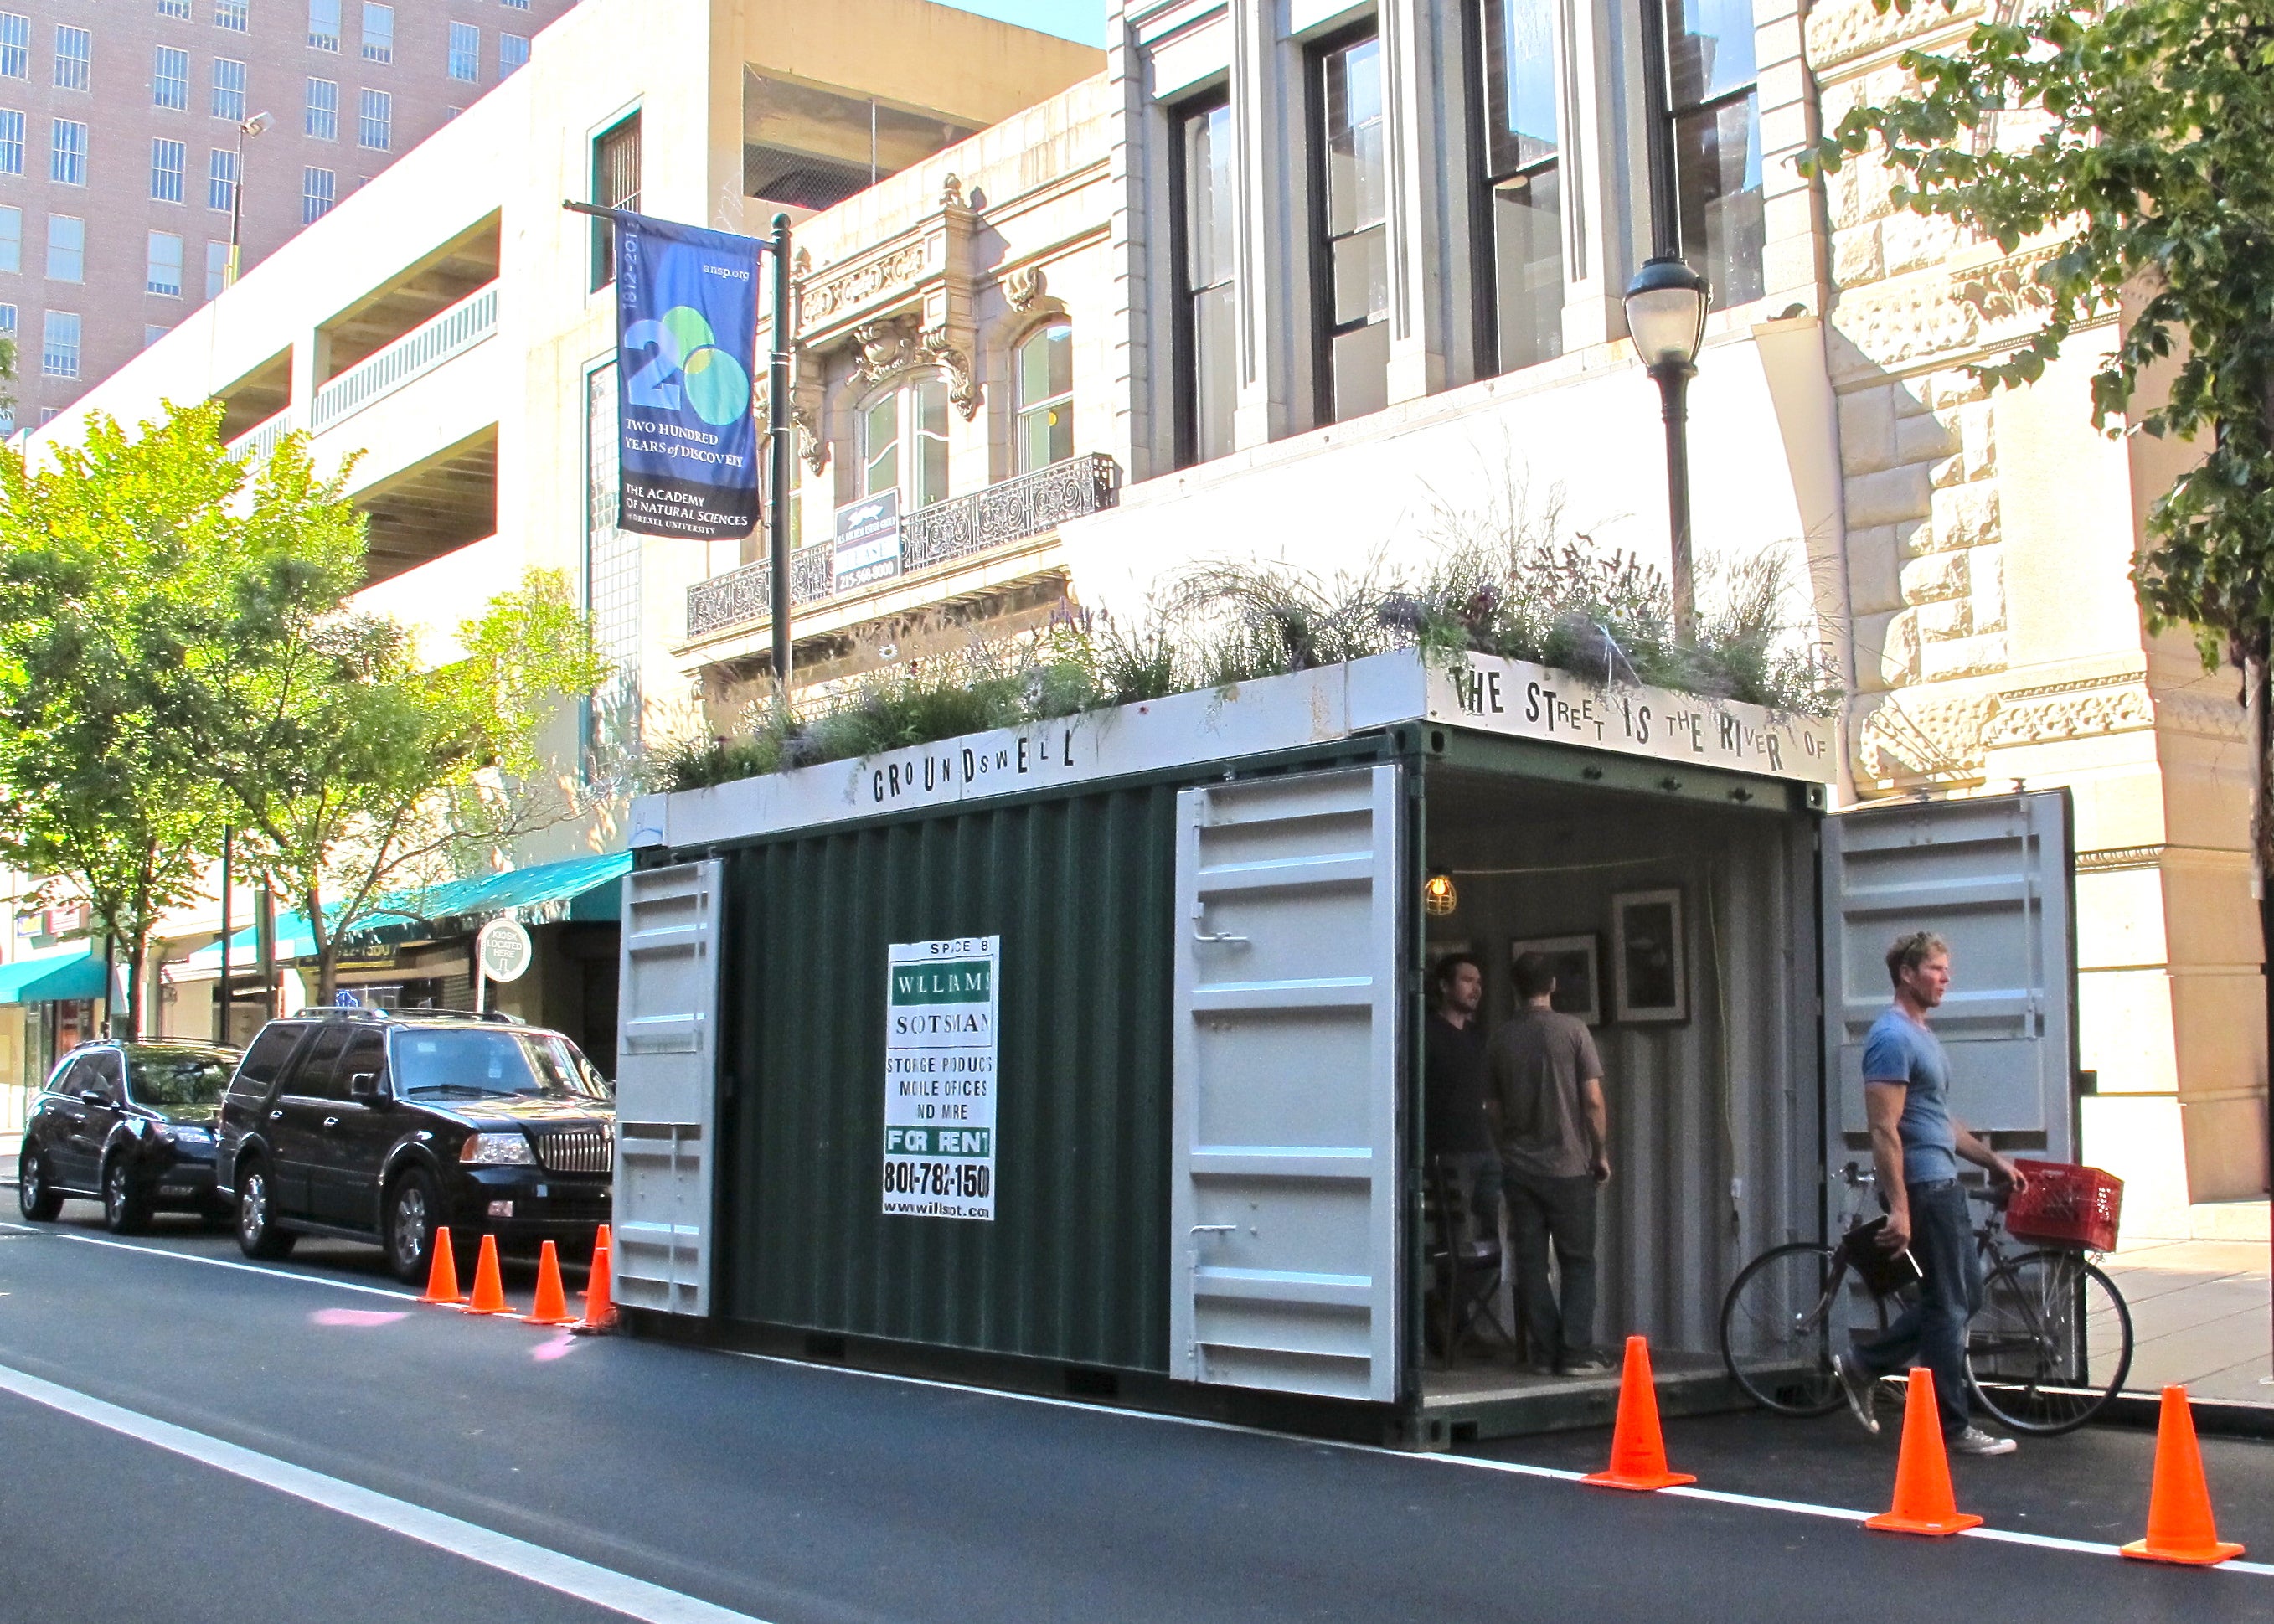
(1862, 1391)
(1975, 1442)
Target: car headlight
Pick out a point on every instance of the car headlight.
(497, 1150)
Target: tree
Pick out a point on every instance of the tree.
(106, 554)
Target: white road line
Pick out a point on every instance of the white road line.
(1517, 1469)
(603, 1587)
(248, 1268)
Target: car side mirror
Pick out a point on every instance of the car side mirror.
(93, 1097)
(365, 1085)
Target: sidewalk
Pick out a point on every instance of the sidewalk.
(2202, 1312)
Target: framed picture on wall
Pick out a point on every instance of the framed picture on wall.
(1647, 946)
(1578, 971)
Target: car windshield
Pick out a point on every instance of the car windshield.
(469, 1063)
(178, 1076)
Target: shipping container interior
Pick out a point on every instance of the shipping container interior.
(1684, 929)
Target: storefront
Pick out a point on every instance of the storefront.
(49, 1002)
(1087, 1055)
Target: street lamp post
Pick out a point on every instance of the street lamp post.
(1666, 315)
(245, 130)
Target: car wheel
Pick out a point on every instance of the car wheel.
(36, 1195)
(126, 1209)
(257, 1233)
(412, 1213)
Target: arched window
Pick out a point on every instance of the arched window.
(904, 442)
(1045, 374)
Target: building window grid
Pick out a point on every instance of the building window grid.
(324, 25)
(319, 189)
(75, 58)
(1713, 126)
(66, 248)
(615, 185)
(322, 117)
(1520, 244)
(234, 15)
(167, 161)
(67, 151)
(512, 52)
(612, 585)
(178, 10)
(1350, 190)
(7, 321)
(170, 79)
(515, 5)
(216, 268)
(1044, 370)
(228, 89)
(59, 343)
(375, 120)
(164, 271)
(378, 34)
(11, 141)
(221, 179)
(11, 239)
(465, 59)
(15, 45)
(1203, 228)
(904, 442)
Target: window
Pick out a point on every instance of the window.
(59, 345)
(11, 241)
(615, 185)
(216, 268)
(904, 442)
(221, 179)
(233, 16)
(152, 333)
(1045, 374)
(1714, 110)
(8, 317)
(318, 188)
(170, 79)
(324, 25)
(465, 52)
(322, 116)
(75, 58)
(168, 160)
(1522, 235)
(512, 52)
(15, 45)
(378, 32)
(1354, 249)
(375, 121)
(67, 151)
(515, 5)
(1208, 311)
(164, 265)
(66, 248)
(11, 141)
(179, 10)
(228, 90)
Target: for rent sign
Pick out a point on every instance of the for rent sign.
(940, 1051)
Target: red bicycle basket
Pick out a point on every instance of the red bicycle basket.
(2067, 1206)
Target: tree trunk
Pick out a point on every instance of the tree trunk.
(326, 949)
(138, 954)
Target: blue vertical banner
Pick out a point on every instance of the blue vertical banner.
(687, 317)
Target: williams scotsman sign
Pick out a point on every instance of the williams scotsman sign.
(941, 1006)
(687, 312)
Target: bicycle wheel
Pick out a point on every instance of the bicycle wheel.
(2052, 1344)
(1777, 1326)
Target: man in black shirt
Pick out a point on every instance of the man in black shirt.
(1456, 1083)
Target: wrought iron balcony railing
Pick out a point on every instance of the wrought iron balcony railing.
(958, 528)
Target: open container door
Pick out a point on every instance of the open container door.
(1993, 877)
(1284, 1183)
(667, 1089)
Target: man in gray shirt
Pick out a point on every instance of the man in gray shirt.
(1555, 1153)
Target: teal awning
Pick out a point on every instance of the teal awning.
(73, 973)
(578, 888)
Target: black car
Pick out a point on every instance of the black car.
(382, 1125)
(130, 1126)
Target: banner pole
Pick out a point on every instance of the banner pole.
(777, 424)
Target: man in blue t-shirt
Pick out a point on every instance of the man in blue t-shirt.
(1918, 1146)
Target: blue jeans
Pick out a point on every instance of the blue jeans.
(1932, 1332)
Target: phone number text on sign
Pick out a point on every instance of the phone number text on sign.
(940, 1051)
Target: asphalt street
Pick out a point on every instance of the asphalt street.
(184, 1440)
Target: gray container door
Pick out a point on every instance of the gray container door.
(1284, 1189)
(667, 1088)
(1994, 878)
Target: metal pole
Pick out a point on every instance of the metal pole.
(228, 862)
(777, 431)
(1673, 390)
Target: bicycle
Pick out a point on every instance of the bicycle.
(2051, 1344)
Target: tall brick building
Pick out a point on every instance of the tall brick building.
(121, 125)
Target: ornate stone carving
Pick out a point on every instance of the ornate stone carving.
(882, 348)
(2043, 718)
(951, 192)
(2116, 857)
(810, 446)
(1026, 287)
(939, 349)
(1896, 740)
(1895, 323)
(829, 297)
(1842, 30)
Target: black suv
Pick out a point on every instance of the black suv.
(130, 1124)
(379, 1125)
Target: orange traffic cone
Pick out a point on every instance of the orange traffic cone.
(1637, 1446)
(2179, 1527)
(442, 1277)
(551, 1304)
(1924, 1503)
(602, 1240)
(489, 1286)
(600, 1301)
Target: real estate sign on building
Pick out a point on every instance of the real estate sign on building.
(940, 1050)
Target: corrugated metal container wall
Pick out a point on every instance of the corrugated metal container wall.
(1074, 1266)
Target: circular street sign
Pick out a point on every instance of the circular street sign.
(505, 949)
